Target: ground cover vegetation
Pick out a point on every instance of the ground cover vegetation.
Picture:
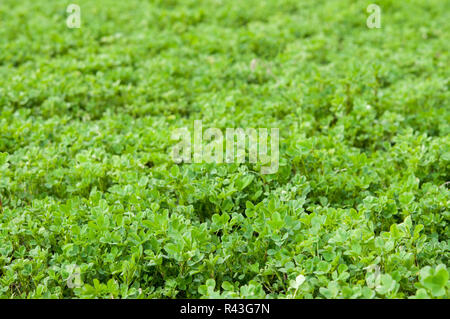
(357, 209)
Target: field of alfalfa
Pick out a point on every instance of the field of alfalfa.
(93, 206)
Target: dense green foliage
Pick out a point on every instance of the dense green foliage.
(358, 208)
